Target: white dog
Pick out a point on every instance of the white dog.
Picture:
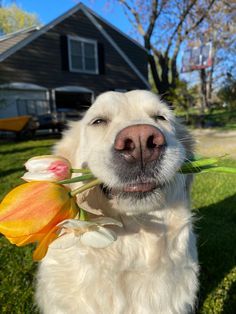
(132, 142)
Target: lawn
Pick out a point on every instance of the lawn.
(214, 199)
(218, 118)
(17, 269)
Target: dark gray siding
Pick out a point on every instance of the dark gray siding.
(40, 62)
(137, 55)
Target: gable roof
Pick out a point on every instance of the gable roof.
(10, 40)
(16, 41)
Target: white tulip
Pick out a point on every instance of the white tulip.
(90, 233)
(47, 168)
(99, 238)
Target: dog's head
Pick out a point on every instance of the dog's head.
(133, 143)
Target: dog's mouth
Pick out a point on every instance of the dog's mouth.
(140, 187)
(133, 190)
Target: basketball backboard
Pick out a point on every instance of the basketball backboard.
(197, 58)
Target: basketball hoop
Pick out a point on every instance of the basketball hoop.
(197, 58)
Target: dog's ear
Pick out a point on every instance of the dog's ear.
(69, 143)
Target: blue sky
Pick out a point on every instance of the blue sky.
(47, 10)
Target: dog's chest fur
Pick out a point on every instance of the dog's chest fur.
(151, 268)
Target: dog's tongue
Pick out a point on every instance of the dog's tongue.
(140, 187)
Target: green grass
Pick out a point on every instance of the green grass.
(214, 202)
(17, 268)
(219, 119)
(214, 199)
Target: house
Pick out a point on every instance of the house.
(67, 63)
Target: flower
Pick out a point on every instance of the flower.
(90, 233)
(32, 211)
(47, 168)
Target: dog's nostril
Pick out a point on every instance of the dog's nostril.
(129, 145)
(150, 142)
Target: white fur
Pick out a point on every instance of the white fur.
(152, 267)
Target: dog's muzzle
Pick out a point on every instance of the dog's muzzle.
(139, 144)
(137, 151)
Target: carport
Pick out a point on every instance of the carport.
(17, 99)
(73, 98)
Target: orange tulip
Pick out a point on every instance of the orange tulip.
(31, 212)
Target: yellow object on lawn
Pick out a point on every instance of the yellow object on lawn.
(14, 124)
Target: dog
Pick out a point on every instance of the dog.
(133, 143)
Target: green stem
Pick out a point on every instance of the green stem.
(198, 165)
(82, 215)
(85, 187)
(220, 169)
(84, 170)
(78, 179)
(207, 169)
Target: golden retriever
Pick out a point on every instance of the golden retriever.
(133, 143)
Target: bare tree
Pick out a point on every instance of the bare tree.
(219, 28)
(164, 25)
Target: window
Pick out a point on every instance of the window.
(83, 55)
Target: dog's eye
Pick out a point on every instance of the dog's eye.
(99, 121)
(159, 117)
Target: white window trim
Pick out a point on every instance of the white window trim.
(85, 40)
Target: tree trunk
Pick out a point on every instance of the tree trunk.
(174, 72)
(204, 103)
(167, 78)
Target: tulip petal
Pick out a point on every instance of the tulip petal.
(20, 241)
(52, 235)
(60, 169)
(38, 163)
(30, 207)
(75, 224)
(41, 163)
(44, 238)
(39, 176)
(37, 237)
(106, 221)
(42, 248)
(91, 233)
(98, 239)
(47, 168)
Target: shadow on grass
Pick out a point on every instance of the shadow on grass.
(23, 149)
(217, 254)
(7, 172)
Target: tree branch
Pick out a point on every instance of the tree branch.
(180, 24)
(135, 15)
(199, 21)
(152, 23)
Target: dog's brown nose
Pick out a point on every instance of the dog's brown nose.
(141, 142)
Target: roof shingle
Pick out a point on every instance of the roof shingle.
(9, 41)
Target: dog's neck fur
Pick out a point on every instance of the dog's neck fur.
(150, 248)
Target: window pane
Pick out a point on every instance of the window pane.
(76, 47)
(89, 50)
(90, 64)
(76, 62)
